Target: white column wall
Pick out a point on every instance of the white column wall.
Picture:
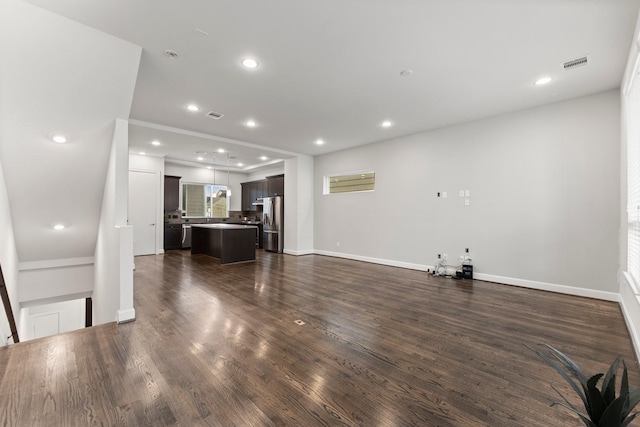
(113, 291)
(298, 205)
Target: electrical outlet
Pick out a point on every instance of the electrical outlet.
(466, 250)
(337, 244)
(461, 258)
(439, 256)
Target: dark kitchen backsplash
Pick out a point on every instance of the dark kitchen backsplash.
(240, 215)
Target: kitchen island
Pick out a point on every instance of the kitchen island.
(227, 242)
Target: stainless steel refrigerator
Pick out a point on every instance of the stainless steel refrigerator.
(273, 223)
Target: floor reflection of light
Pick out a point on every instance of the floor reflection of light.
(239, 331)
(262, 349)
(196, 348)
(259, 288)
(387, 418)
(318, 382)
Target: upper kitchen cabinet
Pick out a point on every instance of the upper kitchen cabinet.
(275, 185)
(171, 193)
(254, 191)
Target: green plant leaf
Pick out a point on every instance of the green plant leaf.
(570, 365)
(595, 398)
(609, 381)
(628, 420)
(587, 422)
(632, 401)
(572, 383)
(612, 415)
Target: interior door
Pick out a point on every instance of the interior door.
(142, 215)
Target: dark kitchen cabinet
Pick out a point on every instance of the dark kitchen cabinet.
(172, 236)
(171, 193)
(253, 192)
(262, 189)
(275, 185)
(246, 195)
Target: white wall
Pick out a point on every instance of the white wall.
(46, 280)
(206, 176)
(277, 170)
(8, 258)
(70, 316)
(113, 291)
(544, 198)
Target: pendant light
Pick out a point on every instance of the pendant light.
(214, 169)
(228, 186)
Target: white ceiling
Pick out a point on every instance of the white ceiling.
(330, 69)
(58, 76)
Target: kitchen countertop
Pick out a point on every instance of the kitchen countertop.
(224, 226)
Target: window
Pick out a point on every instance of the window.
(633, 181)
(350, 183)
(205, 200)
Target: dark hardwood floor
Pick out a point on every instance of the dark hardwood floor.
(216, 345)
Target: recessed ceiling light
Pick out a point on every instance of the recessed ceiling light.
(171, 54)
(201, 158)
(155, 142)
(59, 138)
(193, 107)
(386, 124)
(250, 63)
(240, 164)
(319, 142)
(263, 158)
(58, 227)
(250, 123)
(142, 153)
(543, 81)
(209, 167)
(220, 150)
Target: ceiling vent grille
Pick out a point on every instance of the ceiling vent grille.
(579, 62)
(214, 115)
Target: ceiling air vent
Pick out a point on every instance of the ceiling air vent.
(214, 115)
(579, 62)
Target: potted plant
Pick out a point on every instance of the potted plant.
(602, 407)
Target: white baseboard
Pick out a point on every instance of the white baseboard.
(552, 287)
(298, 253)
(382, 261)
(128, 315)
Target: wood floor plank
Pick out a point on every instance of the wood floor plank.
(216, 345)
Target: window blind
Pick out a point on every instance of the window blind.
(193, 201)
(633, 182)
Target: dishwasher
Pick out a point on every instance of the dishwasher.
(186, 236)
